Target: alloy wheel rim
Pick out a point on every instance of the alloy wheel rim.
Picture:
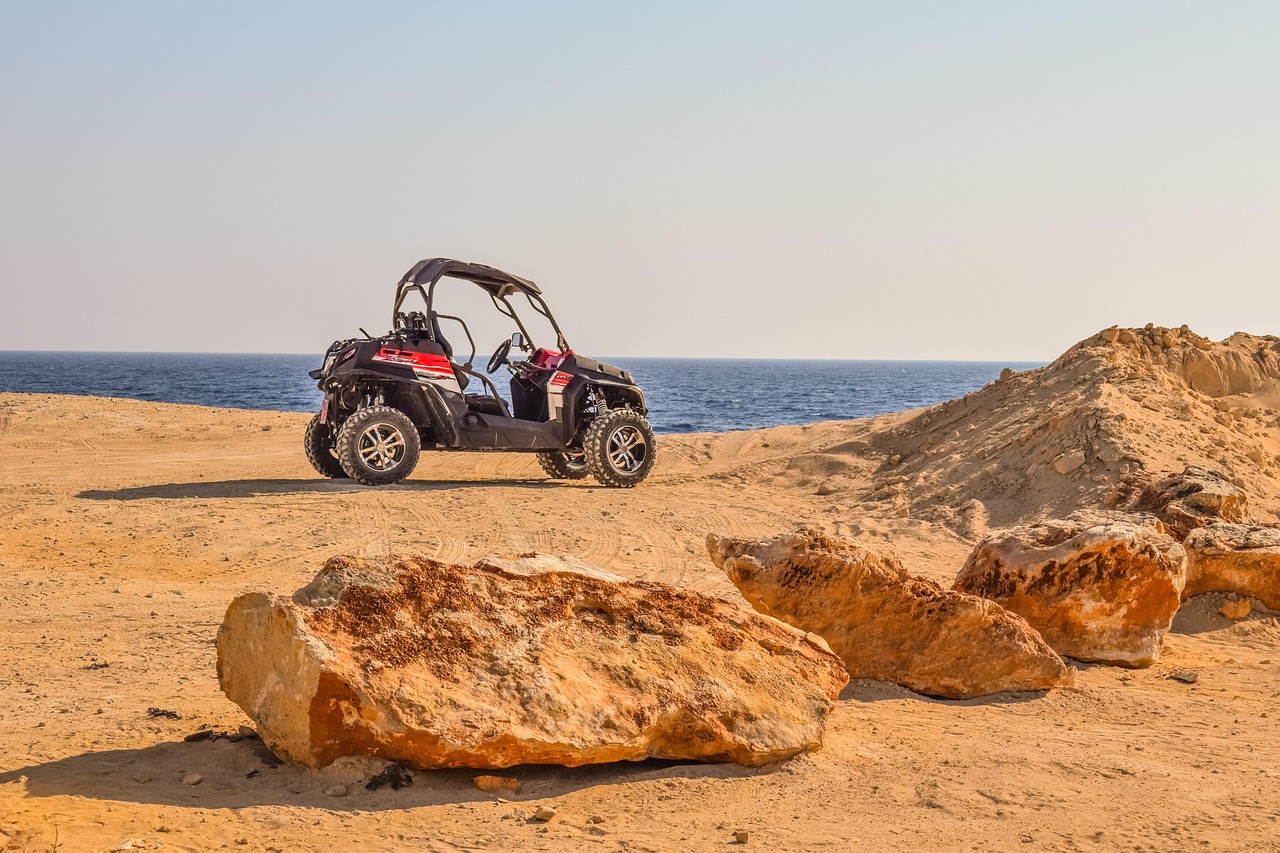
(627, 449)
(381, 447)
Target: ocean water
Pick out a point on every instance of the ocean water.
(684, 395)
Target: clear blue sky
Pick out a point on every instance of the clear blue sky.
(844, 180)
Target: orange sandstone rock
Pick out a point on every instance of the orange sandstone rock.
(1239, 558)
(1097, 588)
(884, 623)
(525, 660)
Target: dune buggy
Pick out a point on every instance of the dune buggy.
(390, 397)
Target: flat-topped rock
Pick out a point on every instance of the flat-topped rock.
(1239, 558)
(1098, 587)
(886, 624)
(519, 660)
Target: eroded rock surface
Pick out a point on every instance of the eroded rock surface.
(1195, 498)
(1239, 558)
(1098, 588)
(884, 623)
(520, 660)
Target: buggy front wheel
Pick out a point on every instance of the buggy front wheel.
(618, 447)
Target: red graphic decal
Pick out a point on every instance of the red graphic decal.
(417, 360)
(560, 379)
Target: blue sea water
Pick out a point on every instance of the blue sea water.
(684, 395)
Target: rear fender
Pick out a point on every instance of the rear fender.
(438, 414)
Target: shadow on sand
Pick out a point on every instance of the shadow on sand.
(865, 690)
(256, 488)
(238, 775)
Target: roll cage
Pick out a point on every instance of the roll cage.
(423, 276)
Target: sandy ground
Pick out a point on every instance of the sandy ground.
(126, 528)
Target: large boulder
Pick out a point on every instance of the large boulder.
(523, 660)
(1239, 558)
(1195, 498)
(884, 623)
(1097, 588)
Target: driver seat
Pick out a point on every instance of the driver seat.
(440, 339)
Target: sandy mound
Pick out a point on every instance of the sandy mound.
(1108, 417)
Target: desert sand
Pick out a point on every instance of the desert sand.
(126, 528)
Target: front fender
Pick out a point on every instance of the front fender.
(616, 393)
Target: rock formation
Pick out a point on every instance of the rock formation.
(1194, 498)
(1239, 558)
(1098, 588)
(885, 624)
(522, 660)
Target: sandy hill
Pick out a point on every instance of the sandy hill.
(127, 527)
(1111, 414)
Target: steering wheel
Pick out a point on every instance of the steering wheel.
(499, 357)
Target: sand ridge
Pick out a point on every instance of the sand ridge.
(127, 527)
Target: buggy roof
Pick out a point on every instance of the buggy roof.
(495, 281)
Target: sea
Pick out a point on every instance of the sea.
(683, 394)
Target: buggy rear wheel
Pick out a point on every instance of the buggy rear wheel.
(564, 465)
(378, 446)
(318, 443)
(619, 447)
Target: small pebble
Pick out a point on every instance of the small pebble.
(741, 836)
(192, 779)
(595, 818)
(493, 784)
(336, 791)
(544, 813)
(1235, 608)
(1186, 676)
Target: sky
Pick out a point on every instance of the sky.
(896, 180)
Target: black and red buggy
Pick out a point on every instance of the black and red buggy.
(388, 398)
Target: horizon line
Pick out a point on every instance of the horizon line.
(320, 356)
